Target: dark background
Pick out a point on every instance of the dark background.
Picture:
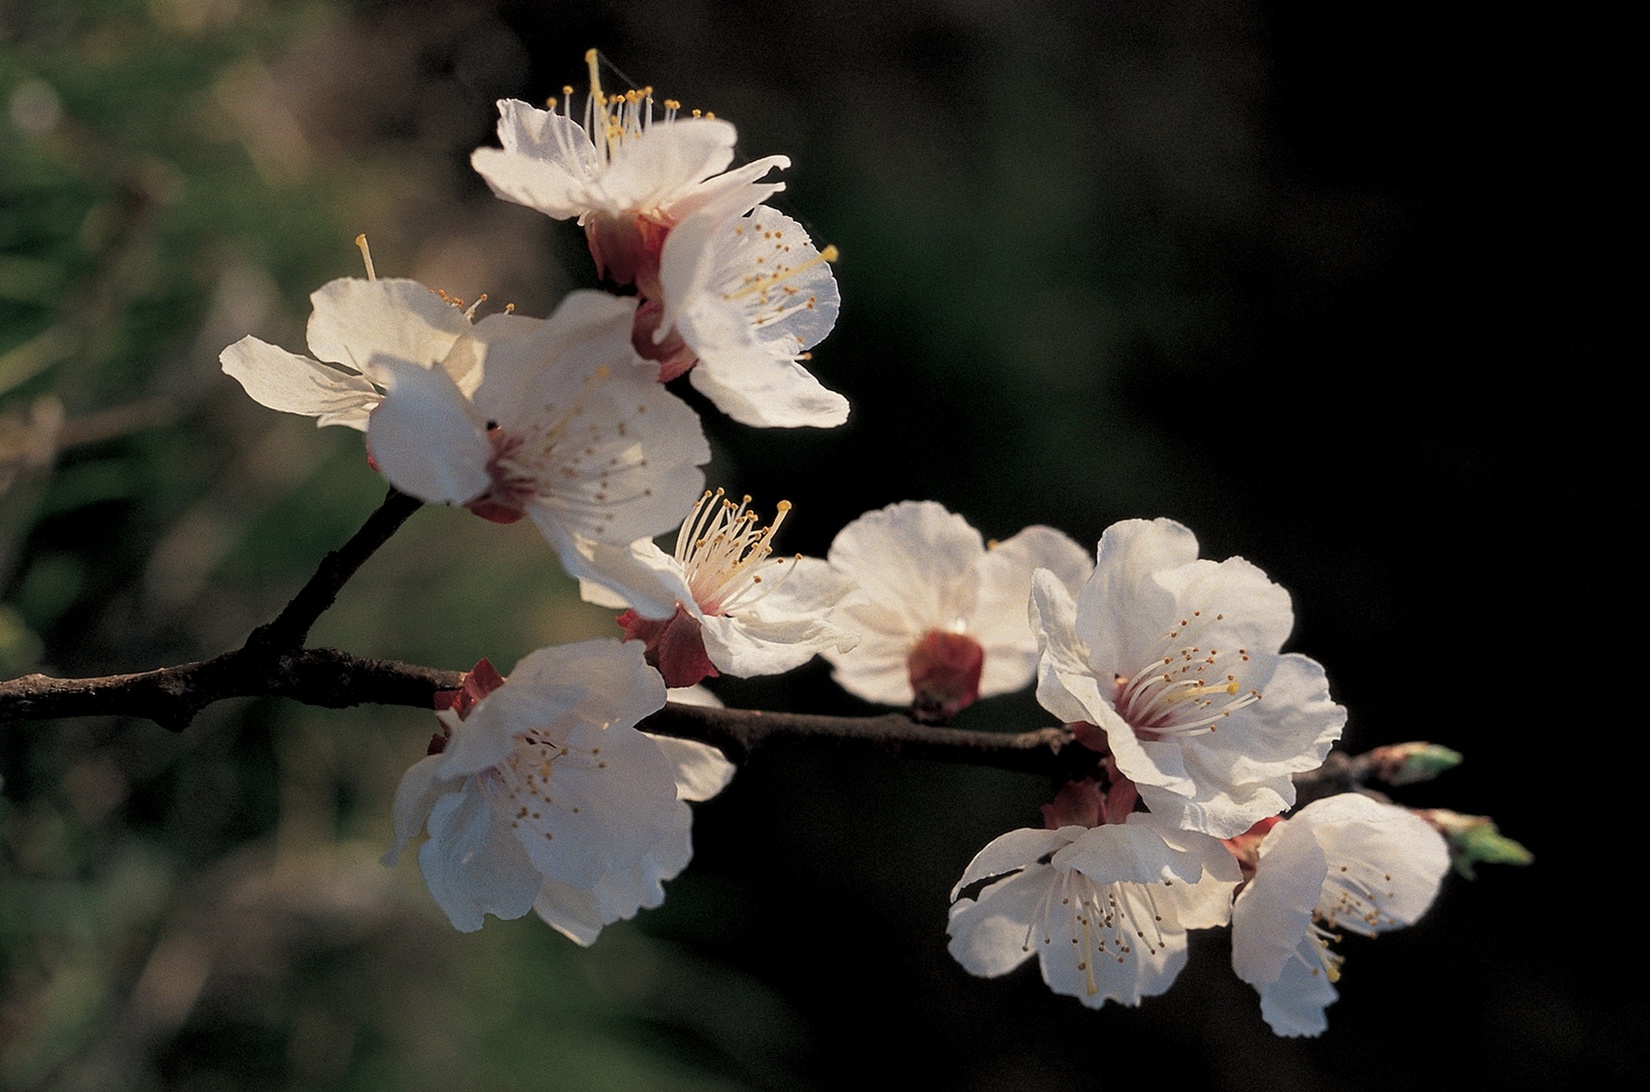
(1344, 291)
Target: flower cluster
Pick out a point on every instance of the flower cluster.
(567, 421)
(1170, 667)
(540, 792)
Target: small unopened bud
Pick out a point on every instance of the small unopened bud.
(1409, 763)
(1474, 840)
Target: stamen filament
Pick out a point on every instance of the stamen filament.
(758, 284)
(366, 255)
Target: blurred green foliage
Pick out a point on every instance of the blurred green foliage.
(207, 910)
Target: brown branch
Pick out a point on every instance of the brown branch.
(172, 696)
(1050, 751)
(273, 663)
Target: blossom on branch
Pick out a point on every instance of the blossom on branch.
(543, 794)
(357, 328)
(741, 301)
(733, 293)
(627, 176)
(1177, 660)
(1106, 909)
(566, 427)
(1346, 863)
(942, 618)
(735, 608)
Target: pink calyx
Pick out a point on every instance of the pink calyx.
(672, 353)
(627, 248)
(506, 499)
(675, 646)
(1246, 846)
(478, 682)
(944, 668)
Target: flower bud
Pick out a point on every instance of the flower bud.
(1409, 763)
(1474, 840)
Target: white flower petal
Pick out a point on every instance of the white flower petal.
(701, 771)
(609, 679)
(1016, 849)
(754, 388)
(296, 384)
(473, 866)
(357, 322)
(581, 913)
(916, 566)
(656, 168)
(989, 933)
(546, 161)
(424, 436)
(1293, 1004)
(1001, 618)
(640, 577)
(421, 786)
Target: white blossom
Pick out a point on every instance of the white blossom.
(942, 618)
(1105, 908)
(357, 327)
(546, 796)
(733, 293)
(1342, 864)
(734, 608)
(741, 301)
(566, 427)
(1177, 659)
(627, 175)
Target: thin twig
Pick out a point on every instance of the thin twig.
(289, 629)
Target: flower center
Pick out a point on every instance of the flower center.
(1105, 921)
(1348, 903)
(1354, 903)
(520, 785)
(724, 554)
(558, 454)
(1186, 687)
(764, 281)
(1324, 961)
